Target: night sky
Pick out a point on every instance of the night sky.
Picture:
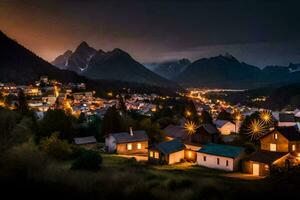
(257, 32)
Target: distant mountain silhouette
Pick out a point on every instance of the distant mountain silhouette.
(112, 65)
(285, 96)
(225, 71)
(62, 60)
(77, 61)
(219, 71)
(19, 65)
(169, 69)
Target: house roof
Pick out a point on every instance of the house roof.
(175, 131)
(222, 150)
(220, 123)
(267, 157)
(85, 140)
(125, 137)
(209, 128)
(169, 147)
(286, 117)
(291, 133)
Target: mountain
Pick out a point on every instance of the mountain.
(19, 65)
(169, 69)
(285, 96)
(225, 71)
(112, 65)
(119, 65)
(77, 61)
(221, 71)
(62, 60)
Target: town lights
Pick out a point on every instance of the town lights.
(190, 127)
(238, 117)
(188, 113)
(56, 93)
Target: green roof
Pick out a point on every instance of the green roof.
(222, 150)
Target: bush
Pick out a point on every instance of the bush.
(56, 148)
(87, 160)
(23, 161)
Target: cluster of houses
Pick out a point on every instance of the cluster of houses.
(278, 149)
(47, 94)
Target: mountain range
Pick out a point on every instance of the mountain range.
(85, 64)
(21, 66)
(112, 65)
(223, 71)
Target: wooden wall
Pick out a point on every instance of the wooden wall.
(264, 169)
(282, 144)
(122, 148)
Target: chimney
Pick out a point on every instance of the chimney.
(130, 131)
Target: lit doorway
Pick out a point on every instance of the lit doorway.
(255, 169)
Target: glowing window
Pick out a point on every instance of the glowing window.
(293, 147)
(151, 154)
(139, 146)
(156, 155)
(190, 154)
(272, 147)
(275, 136)
(129, 146)
(266, 167)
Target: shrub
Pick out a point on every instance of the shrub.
(56, 148)
(87, 160)
(23, 161)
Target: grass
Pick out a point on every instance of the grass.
(121, 178)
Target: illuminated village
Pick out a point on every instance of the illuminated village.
(273, 137)
(149, 100)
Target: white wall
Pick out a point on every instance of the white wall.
(228, 128)
(211, 162)
(286, 123)
(176, 157)
(110, 143)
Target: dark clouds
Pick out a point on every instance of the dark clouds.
(258, 32)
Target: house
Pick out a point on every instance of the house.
(132, 142)
(297, 113)
(222, 157)
(286, 119)
(175, 132)
(205, 133)
(261, 162)
(226, 127)
(168, 152)
(44, 79)
(281, 139)
(87, 142)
